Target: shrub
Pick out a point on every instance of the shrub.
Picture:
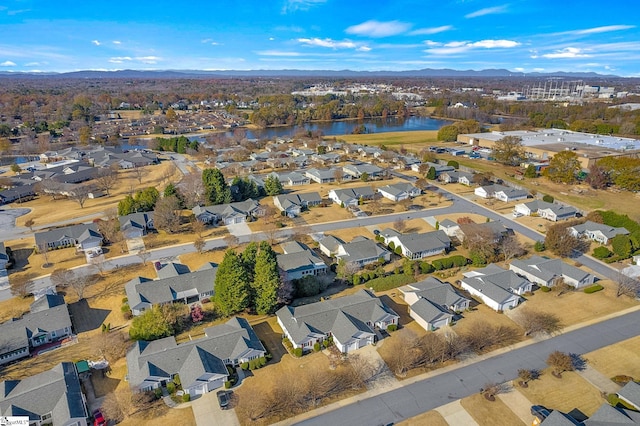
(454, 164)
(539, 246)
(438, 265)
(356, 279)
(244, 365)
(262, 361)
(186, 397)
(176, 380)
(458, 260)
(397, 271)
(392, 246)
(125, 300)
(426, 267)
(389, 282)
(171, 387)
(158, 393)
(548, 198)
(622, 379)
(297, 352)
(316, 347)
(392, 327)
(593, 288)
(601, 252)
(545, 289)
(398, 251)
(227, 384)
(252, 365)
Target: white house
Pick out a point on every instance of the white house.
(497, 288)
(598, 232)
(549, 211)
(417, 246)
(545, 272)
(399, 191)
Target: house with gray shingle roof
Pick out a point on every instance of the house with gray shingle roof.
(298, 261)
(501, 192)
(598, 232)
(607, 415)
(200, 363)
(550, 211)
(545, 272)
(496, 287)
(432, 303)
(4, 257)
(360, 251)
(449, 227)
(228, 214)
(175, 283)
(417, 246)
(350, 320)
(456, 176)
(399, 191)
(84, 236)
(630, 393)
(136, 225)
(351, 196)
(323, 175)
(51, 397)
(48, 321)
(357, 170)
(293, 204)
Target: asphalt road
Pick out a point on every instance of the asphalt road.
(424, 395)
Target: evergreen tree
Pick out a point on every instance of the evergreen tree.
(248, 258)
(245, 189)
(272, 185)
(266, 281)
(431, 174)
(151, 325)
(146, 199)
(232, 286)
(531, 172)
(126, 206)
(216, 188)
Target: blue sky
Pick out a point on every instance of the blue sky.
(519, 35)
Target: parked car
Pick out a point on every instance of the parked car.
(517, 214)
(540, 411)
(98, 419)
(223, 399)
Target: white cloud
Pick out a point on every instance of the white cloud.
(33, 64)
(141, 59)
(432, 43)
(598, 30)
(116, 42)
(567, 52)
(120, 59)
(148, 59)
(519, 69)
(378, 29)
(364, 49)
(293, 5)
(271, 38)
(487, 11)
(433, 30)
(455, 47)
(277, 53)
(327, 42)
(96, 42)
(538, 69)
(8, 64)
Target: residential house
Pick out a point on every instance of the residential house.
(323, 176)
(326, 159)
(200, 363)
(360, 251)
(417, 246)
(51, 397)
(495, 231)
(48, 321)
(293, 204)
(298, 261)
(456, 176)
(293, 179)
(432, 303)
(135, 225)
(546, 272)
(496, 287)
(598, 232)
(399, 191)
(4, 257)
(229, 214)
(449, 227)
(175, 283)
(606, 415)
(500, 192)
(630, 394)
(357, 170)
(351, 321)
(440, 168)
(549, 211)
(17, 193)
(83, 236)
(351, 196)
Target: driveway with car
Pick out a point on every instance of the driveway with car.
(207, 412)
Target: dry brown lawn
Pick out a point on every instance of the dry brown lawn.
(482, 313)
(413, 141)
(488, 413)
(577, 306)
(44, 210)
(430, 418)
(620, 359)
(565, 394)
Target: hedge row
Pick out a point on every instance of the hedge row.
(449, 262)
(593, 288)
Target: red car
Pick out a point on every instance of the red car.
(98, 419)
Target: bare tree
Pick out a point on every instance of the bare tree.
(510, 247)
(399, 224)
(199, 244)
(168, 172)
(21, 287)
(43, 249)
(302, 234)
(346, 270)
(405, 203)
(526, 376)
(198, 227)
(535, 321)
(560, 362)
(60, 278)
(167, 214)
(192, 189)
(144, 255)
(139, 173)
(51, 187)
(561, 286)
(231, 241)
(625, 285)
(80, 194)
(338, 174)
(113, 345)
(106, 179)
(80, 281)
(270, 232)
(29, 223)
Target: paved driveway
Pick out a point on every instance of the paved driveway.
(208, 413)
(239, 229)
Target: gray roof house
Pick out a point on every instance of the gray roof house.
(293, 204)
(449, 227)
(175, 283)
(549, 211)
(630, 393)
(545, 272)
(200, 363)
(48, 321)
(418, 246)
(399, 191)
(299, 261)
(4, 257)
(51, 397)
(17, 193)
(360, 251)
(357, 170)
(350, 320)
(351, 196)
(432, 303)
(456, 176)
(135, 225)
(500, 192)
(597, 231)
(497, 288)
(228, 214)
(323, 175)
(612, 416)
(83, 236)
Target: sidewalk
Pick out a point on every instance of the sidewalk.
(473, 360)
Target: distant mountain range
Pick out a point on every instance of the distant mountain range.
(427, 72)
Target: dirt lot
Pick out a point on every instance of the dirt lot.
(571, 392)
(489, 413)
(620, 359)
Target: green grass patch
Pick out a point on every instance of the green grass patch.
(389, 282)
(593, 288)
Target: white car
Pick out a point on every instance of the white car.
(517, 214)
